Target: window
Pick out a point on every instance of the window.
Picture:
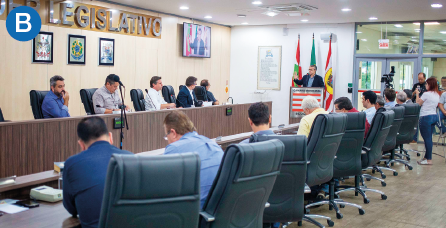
(434, 37)
(436, 67)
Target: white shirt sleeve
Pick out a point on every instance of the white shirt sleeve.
(151, 101)
(160, 99)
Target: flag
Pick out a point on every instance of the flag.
(313, 54)
(329, 82)
(297, 67)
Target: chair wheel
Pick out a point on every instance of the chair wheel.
(341, 205)
(410, 167)
(361, 211)
(330, 223)
(373, 171)
(395, 173)
(307, 210)
(383, 176)
(366, 201)
(383, 197)
(383, 184)
(339, 216)
(407, 158)
(367, 179)
(299, 223)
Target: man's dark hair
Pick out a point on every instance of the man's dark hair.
(91, 128)
(154, 80)
(54, 79)
(343, 103)
(111, 79)
(443, 77)
(390, 94)
(408, 93)
(190, 80)
(204, 82)
(424, 75)
(258, 113)
(315, 67)
(370, 95)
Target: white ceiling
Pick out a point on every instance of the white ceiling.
(329, 11)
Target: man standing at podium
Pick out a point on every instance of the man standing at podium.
(311, 79)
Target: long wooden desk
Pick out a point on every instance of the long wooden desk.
(28, 147)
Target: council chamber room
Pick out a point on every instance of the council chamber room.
(222, 114)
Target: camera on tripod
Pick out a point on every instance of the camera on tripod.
(388, 78)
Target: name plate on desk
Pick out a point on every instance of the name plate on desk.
(297, 96)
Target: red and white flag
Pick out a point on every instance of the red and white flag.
(329, 82)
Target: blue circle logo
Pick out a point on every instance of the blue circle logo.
(23, 23)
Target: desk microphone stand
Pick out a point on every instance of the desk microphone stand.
(123, 116)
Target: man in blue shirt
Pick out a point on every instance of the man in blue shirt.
(368, 102)
(259, 119)
(84, 173)
(55, 103)
(182, 138)
(389, 95)
(205, 83)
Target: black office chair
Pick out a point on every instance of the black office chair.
(323, 142)
(169, 94)
(1, 116)
(242, 186)
(408, 129)
(287, 197)
(36, 98)
(87, 100)
(136, 192)
(137, 97)
(373, 145)
(200, 92)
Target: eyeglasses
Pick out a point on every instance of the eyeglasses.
(165, 137)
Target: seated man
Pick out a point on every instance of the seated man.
(153, 100)
(368, 102)
(380, 102)
(442, 112)
(259, 120)
(311, 109)
(186, 97)
(344, 105)
(182, 138)
(409, 96)
(55, 103)
(389, 95)
(107, 99)
(401, 97)
(84, 173)
(205, 83)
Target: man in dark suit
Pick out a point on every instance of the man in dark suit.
(198, 44)
(311, 79)
(186, 96)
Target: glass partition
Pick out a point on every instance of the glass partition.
(434, 37)
(436, 67)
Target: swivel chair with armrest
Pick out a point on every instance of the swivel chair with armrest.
(168, 94)
(242, 186)
(87, 100)
(201, 93)
(287, 197)
(137, 97)
(136, 195)
(36, 99)
(408, 128)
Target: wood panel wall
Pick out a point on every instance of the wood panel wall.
(137, 59)
(28, 147)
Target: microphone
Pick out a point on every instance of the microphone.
(117, 79)
(147, 91)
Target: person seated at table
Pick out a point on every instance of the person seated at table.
(259, 120)
(390, 96)
(153, 100)
(311, 109)
(344, 105)
(186, 97)
(182, 137)
(84, 173)
(107, 99)
(401, 97)
(380, 102)
(205, 83)
(55, 103)
(368, 102)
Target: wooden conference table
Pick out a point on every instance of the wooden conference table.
(55, 215)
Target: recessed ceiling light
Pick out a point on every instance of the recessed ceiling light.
(257, 3)
(398, 26)
(244, 23)
(358, 32)
(363, 39)
(208, 17)
(241, 15)
(184, 8)
(346, 10)
(436, 5)
(271, 14)
(304, 20)
(373, 18)
(443, 32)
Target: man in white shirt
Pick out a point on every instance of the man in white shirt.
(153, 100)
(368, 101)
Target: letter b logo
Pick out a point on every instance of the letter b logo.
(23, 23)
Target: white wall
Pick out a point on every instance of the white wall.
(244, 47)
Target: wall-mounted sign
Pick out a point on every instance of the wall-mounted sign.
(106, 51)
(298, 94)
(268, 67)
(88, 17)
(383, 44)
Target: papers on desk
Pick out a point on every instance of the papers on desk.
(207, 104)
(12, 209)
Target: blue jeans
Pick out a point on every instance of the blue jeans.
(442, 117)
(427, 127)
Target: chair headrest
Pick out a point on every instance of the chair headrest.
(411, 109)
(89, 92)
(1, 116)
(200, 90)
(295, 145)
(355, 121)
(399, 112)
(40, 95)
(169, 89)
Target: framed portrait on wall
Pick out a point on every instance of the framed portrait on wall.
(76, 49)
(106, 51)
(42, 51)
